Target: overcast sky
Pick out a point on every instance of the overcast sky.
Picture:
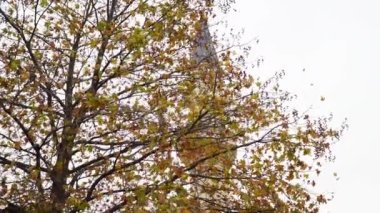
(338, 42)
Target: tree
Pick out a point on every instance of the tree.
(104, 107)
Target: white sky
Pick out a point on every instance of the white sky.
(338, 42)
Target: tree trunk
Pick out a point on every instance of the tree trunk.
(60, 172)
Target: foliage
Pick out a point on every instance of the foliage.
(104, 109)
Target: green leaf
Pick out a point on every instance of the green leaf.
(101, 25)
(44, 3)
(140, 194)
(306, 151)
(14, 64)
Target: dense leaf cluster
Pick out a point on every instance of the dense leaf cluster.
(103, 107)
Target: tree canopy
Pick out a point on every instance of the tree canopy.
(105, 106)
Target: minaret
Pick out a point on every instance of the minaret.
(204, 53)
(204, 50)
